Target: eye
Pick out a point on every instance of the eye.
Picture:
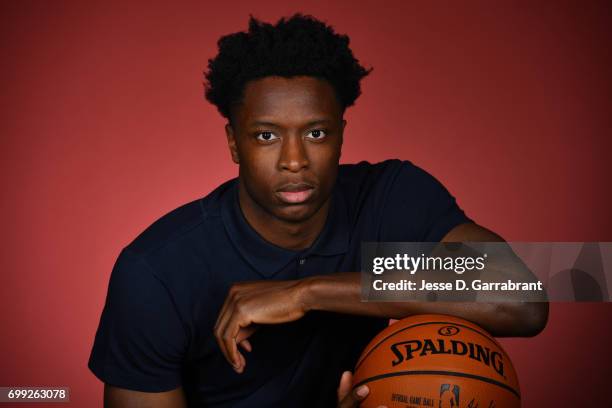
(317, 134)
(266, 136)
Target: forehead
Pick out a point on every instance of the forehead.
(287, 99)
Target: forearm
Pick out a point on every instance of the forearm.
(341, 293)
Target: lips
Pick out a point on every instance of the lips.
(295, 193)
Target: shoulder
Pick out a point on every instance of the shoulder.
(366, 179)
(400, 200)
(365, 173)
(179, 223)
(365, 170)
(170, 259)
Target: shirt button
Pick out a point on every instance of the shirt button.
(302, 261)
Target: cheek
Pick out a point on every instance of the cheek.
(324, 160)
(258, 170)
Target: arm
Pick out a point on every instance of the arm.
(341, 292)
(274, 302)
(140, 341)
(122, 398)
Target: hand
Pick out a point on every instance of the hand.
(251, 303)
(348, 398)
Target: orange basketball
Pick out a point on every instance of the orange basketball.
(436, 361)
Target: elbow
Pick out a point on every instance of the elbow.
(538, 319)
(528, 318)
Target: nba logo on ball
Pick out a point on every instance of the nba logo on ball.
(437, 361)
(449, 397)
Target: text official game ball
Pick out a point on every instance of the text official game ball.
(436, 361)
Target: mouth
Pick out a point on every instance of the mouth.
(295, 193)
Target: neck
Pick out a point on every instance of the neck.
(285, 234)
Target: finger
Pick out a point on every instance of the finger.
(221, 330)
(246, 332)
(230, 335)
(228, 314)
(246, 345)
(233, 294)
(354, 397)
(229, 299)
(345, 385)
(243, 334)
(220, 324)
(242, 363)
(220, 333)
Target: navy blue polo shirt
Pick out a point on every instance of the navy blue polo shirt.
(167, 288)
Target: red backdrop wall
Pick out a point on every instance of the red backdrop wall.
(104, 129)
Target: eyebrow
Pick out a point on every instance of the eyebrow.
(275, 125)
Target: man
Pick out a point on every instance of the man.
(250, 297)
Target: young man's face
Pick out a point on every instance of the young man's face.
(287, 136)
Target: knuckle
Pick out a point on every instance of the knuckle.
(241, 310)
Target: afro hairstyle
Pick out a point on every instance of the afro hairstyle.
(298, 46)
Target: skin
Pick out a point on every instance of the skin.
(115, 397)
(289, 132)
(302, 120)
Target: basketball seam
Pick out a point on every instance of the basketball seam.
(450, 373)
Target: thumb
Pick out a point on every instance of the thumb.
(348, 398)
(243, 334)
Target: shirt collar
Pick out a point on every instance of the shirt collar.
(268, 259)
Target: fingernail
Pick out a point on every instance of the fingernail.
(362, 391)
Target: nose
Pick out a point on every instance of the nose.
(293, 155)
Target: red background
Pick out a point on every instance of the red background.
(104, 129)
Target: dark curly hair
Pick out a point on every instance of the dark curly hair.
(300, 45)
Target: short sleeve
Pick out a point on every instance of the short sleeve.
(418, 207)
(140, 342)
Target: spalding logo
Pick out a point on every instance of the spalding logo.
(407, 350)
(448, 330)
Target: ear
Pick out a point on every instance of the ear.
(231, 143)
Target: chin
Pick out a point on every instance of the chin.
(295, 213)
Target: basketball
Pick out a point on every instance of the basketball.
(436, 361)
